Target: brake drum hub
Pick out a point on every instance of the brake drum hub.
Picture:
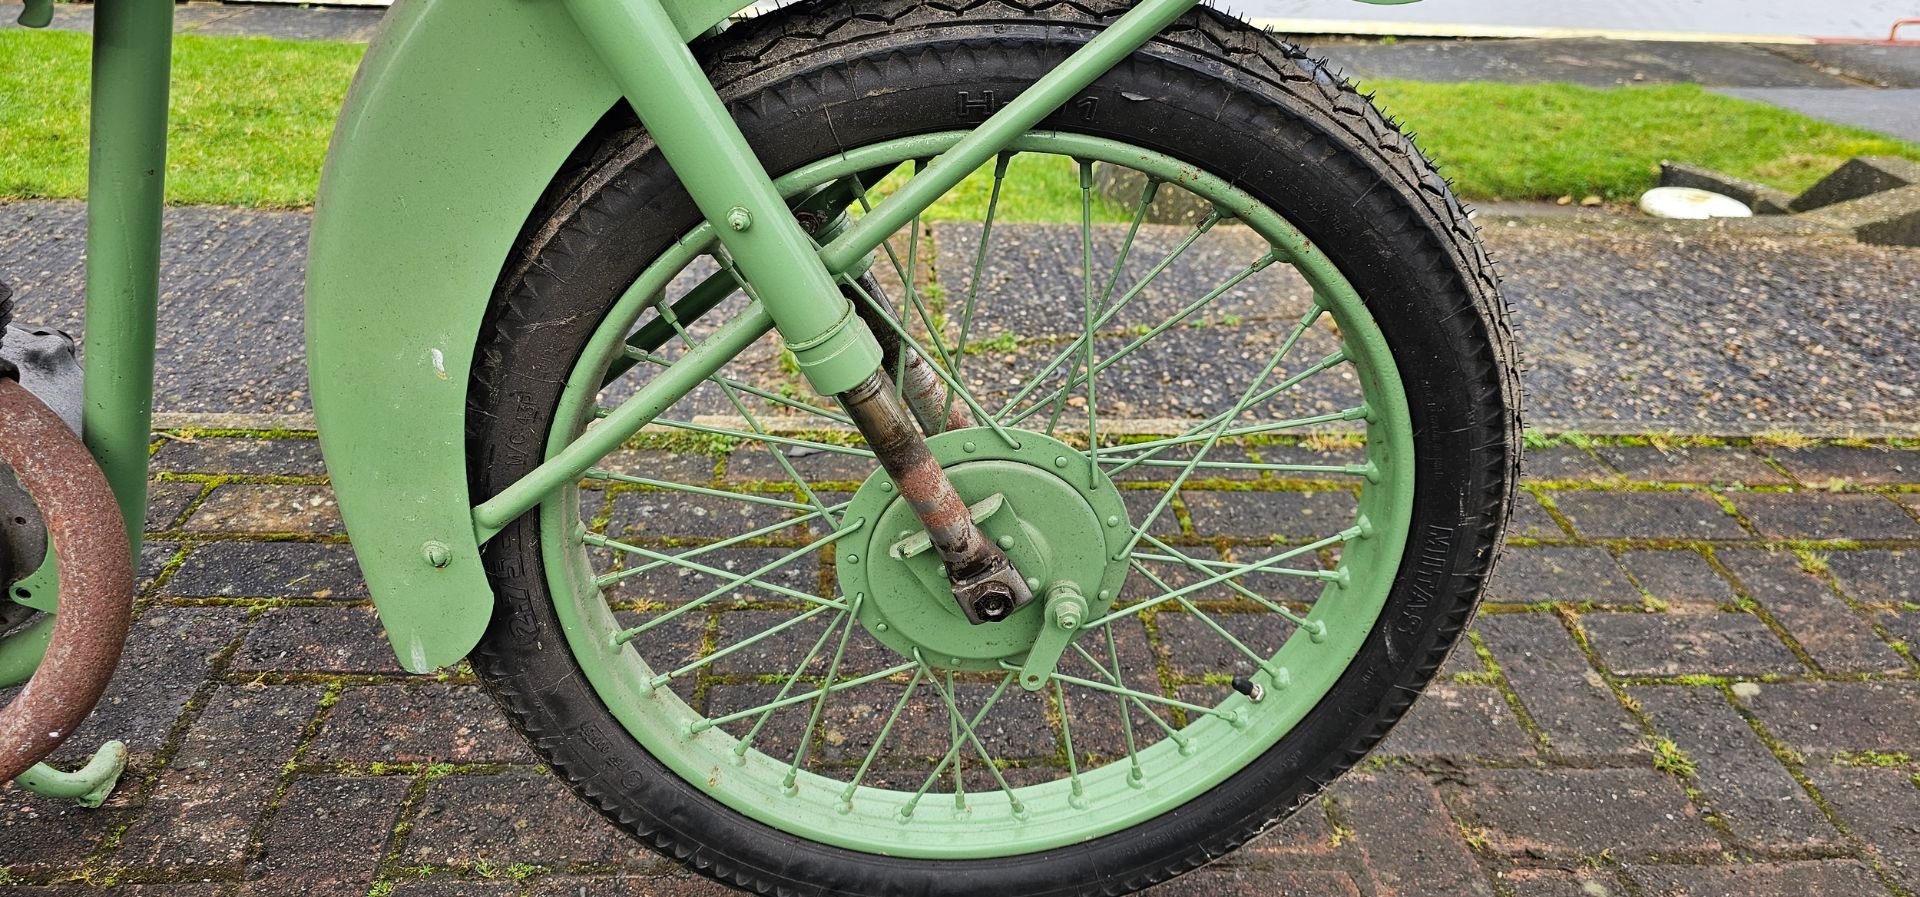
(1055, 515)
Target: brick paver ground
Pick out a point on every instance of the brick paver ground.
(1693, 677)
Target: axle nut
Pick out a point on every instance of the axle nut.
(739, 219)
(1067, 616)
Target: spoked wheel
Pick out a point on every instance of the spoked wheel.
(1267, 452)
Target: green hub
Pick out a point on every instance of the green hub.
(1058, 519)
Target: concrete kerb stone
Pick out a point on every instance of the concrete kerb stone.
(1888, 218)
(1858, 178)
(1762, 199)
(1876, 199)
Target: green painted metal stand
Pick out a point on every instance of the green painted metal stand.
(132, 56)
(87, 786)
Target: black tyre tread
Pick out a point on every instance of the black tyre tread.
(755, 50)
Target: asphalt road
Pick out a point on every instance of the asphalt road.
(1627, 322)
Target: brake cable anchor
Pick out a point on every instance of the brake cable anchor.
(1064, 613)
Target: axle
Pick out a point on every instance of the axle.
(985, 583)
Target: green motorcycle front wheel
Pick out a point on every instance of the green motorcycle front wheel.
(1235, 368)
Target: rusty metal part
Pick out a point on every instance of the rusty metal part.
(985, 583)
(925, 393)
(96, 579)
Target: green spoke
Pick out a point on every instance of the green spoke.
(905, 273)
(1266, 664)
(953, 386)
(699, 300)
(741, 747)
(912, 288)
(1071, 349)
(769, 395)
(885, 729)
(1228, 715)
(741, 645)
(598, 541)
(973, 280)
(771, 528)
(595, 473)
(820, 704)
(1213, 438)
(1066, 739)
(1086, 278)
(1205, 566)
(1312, 370)
(1134, 774)
(1094, 370)
(986, 757)
(711, 430)
(1147, 193)
(953, 750)
(753, 422)
(710, 722)
(1358, 530)
(1357, 470)
(628, 635)
(1087, 311)
(953, 734)
(1358, 412)
(1179, 737)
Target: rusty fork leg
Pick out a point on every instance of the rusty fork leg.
(985, 583)
(924, 392)
(89, 541)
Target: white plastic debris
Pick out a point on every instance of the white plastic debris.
(1691, 202)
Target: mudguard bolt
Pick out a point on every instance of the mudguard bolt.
(437, 553)
(739, 219)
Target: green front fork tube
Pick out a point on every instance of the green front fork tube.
(793, 280)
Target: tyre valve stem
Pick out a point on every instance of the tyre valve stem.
(1250, 688)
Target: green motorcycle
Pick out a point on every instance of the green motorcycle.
(1001, 588)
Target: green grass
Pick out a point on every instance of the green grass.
(1540, 141)
(251, 119)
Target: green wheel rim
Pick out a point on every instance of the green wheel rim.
(997, 818)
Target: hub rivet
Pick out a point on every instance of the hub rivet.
(1105, 594)
(880, 627)
(1060, 461)
(969, 448)
(739, 219)
(1113, 519)
(886, 486)
(1033, 583)
(1005, 542)
(853, 559)
(436, 553)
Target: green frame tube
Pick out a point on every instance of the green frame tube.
(126, 171)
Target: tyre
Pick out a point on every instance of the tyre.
(1242, 378)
